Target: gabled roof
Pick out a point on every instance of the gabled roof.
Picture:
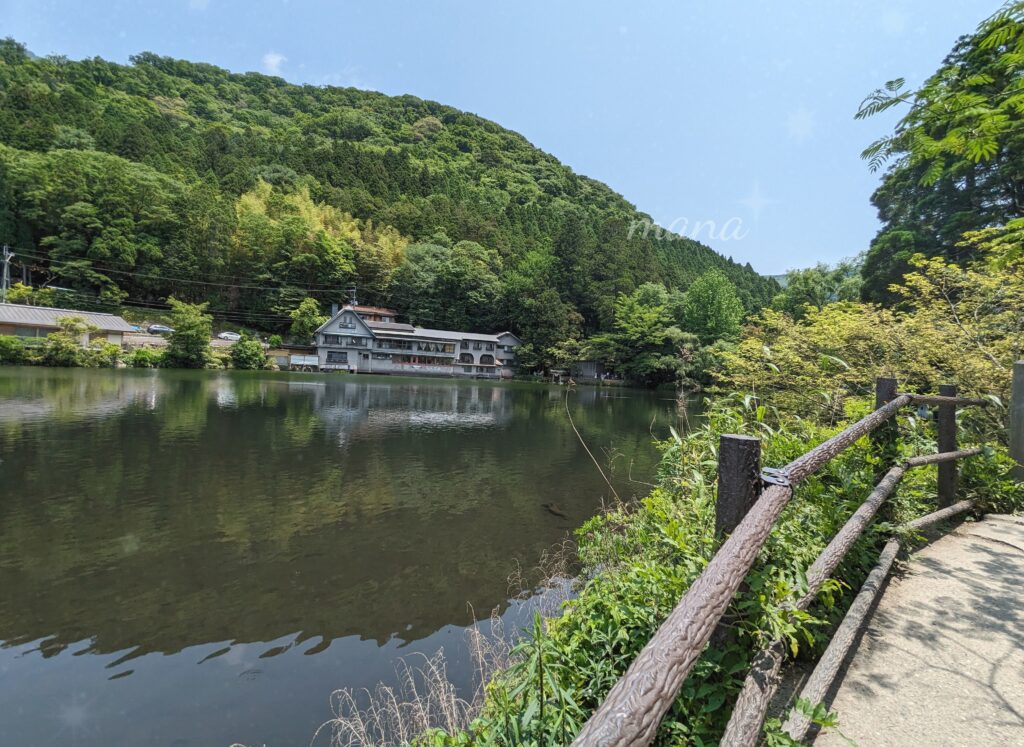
(46, 316)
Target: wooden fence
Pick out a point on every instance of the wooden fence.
(749, 503)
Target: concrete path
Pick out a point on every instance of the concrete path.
(941, 661)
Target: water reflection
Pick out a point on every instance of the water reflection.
(150, 521)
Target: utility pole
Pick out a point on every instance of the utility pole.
(7, 257)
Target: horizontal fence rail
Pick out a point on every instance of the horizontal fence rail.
(634, 707)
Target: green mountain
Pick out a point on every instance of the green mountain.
(127, 184)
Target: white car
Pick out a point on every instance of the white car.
(229, 336)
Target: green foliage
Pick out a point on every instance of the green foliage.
(953, 324)
(12, 350)
(275, 341)
(815, 287)
(248, 354)
(955, 156)
(64, 347)
(306, 319)
(711, 309)
(644, 344)
(456, 287)
(648, 344)
(145, 358)
(167, 178)
(189, 344)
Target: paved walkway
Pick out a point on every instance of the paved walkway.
(941, 661)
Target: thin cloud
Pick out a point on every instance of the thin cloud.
(800, 124)
(272, 62)
(198, 4)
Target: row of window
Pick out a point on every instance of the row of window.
(420, 345)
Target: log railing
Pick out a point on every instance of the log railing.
(748, 505)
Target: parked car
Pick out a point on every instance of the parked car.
(159, 329)
(230, 336)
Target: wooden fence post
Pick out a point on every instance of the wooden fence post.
(1017, 420)
(739, 480)
(884, 437)
(947, 442)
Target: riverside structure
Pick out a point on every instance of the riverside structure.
(368, 339)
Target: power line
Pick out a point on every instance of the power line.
(311, 288)
(8, 255)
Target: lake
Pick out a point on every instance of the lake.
(202, 557)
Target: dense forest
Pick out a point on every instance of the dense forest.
(129, 184)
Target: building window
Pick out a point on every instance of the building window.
(490, 346)
(347, 323)
(381, 356)
(487, 360)
(477, 346)
(337, 356)
(357, 342)
(467, 369)
(465, 357)
(481, 369)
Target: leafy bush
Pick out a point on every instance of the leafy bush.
(64, 347)
(145, 358)
(248, 354)
(275, 341)
(12, 350)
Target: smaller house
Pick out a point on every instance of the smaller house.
(39, 321)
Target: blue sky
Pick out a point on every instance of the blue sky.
(697, 112)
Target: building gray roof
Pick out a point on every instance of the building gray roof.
(444, 334)
(44, 316)
(390, 326)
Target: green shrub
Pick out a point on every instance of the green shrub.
(275, 341)
(145, 358)
(64, 347)
(12, 350)
(248, 354)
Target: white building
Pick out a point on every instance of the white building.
(367, 339)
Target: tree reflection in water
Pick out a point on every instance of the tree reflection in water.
(155, 520)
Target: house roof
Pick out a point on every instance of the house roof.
(45, 316)
(444, 334)
(372, 310)
(390, 326)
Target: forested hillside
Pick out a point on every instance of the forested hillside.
(134, 183)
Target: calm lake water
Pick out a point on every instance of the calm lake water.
(201, 558)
